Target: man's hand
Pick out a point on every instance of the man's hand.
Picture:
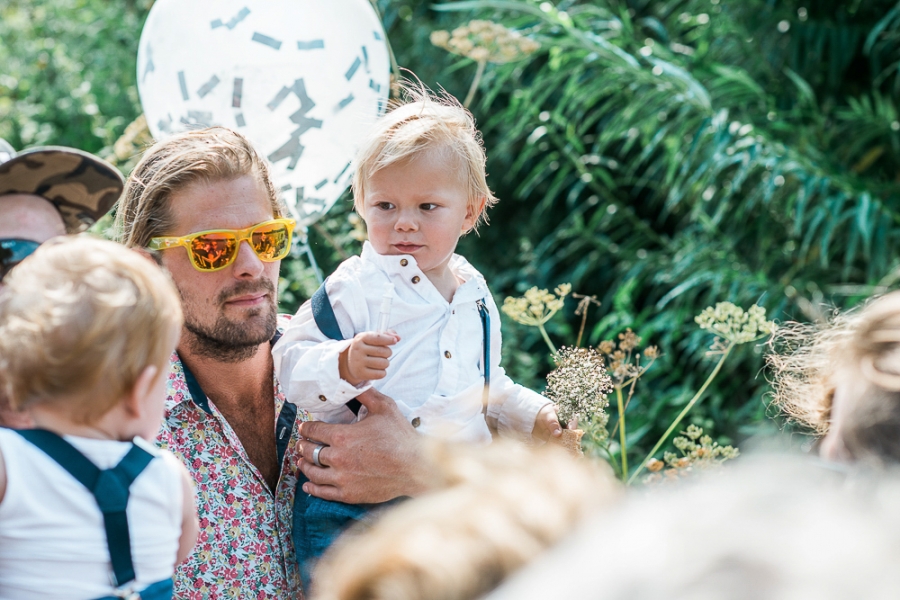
(374, 460)
(366, 359)
(546, 424)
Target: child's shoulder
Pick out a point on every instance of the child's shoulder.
(353, 275)
(464, 269)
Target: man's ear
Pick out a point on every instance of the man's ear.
(473, 213)
(134, 400)
(151, 255)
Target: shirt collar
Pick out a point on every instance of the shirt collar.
(194, 391)
(404, 266)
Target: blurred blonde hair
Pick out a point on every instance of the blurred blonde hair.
(497, 508)
(419, 122)
(203, 155)
(80, 319)
(862, 345)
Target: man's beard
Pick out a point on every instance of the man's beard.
(235, 341)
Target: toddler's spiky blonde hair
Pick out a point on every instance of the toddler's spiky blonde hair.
(421, 121)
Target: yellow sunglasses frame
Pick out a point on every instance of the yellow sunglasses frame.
(164, 243)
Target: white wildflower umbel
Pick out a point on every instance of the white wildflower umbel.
(733, 324)
(698, 452)
(579, 384)
(537, 307)
(484, 42)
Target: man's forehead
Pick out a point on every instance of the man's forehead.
(224, 204)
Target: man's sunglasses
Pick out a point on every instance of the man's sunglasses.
(216, 249)
(14, 251)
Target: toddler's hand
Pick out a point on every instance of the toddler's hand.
(546, 424)
(366, 358)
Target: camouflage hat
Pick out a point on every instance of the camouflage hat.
(81, 186)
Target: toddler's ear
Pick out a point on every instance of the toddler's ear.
(134, 402)
(473, 213)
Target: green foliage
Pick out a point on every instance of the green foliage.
(68, 74)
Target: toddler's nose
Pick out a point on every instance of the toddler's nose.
(405, 223)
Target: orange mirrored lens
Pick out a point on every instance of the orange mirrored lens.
(271, 242)
(213, 250)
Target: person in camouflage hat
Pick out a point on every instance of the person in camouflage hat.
(46, 192)
(81, 186)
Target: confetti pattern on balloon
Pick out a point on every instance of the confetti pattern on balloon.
(302, 79)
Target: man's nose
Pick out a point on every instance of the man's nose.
(247, 264)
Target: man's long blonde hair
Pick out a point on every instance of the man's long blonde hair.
(204, 155)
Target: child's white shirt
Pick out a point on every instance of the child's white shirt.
(435, 373)
(52, 537)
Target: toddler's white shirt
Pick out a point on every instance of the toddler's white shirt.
(435, 374)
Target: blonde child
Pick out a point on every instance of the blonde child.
(493, 511)
(842, 381)
(420, 185)
(88, 507)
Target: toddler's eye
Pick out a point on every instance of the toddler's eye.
(428, 206)
(384, 205)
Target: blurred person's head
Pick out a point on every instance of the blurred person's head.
(50, 191)
(44, 193)
(842, 380)
(778, 528)
(495, 510)
(211, 182)
(87, 328)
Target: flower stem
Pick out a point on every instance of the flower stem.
(474, 87)
(684, 412)
(624, 446)
(547, 338)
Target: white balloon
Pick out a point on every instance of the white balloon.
(302, 79)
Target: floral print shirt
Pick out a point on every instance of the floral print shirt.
(245, 548)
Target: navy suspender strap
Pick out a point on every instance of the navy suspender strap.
(323, 314)
(486, 360)
(326, 321)
(109, 487)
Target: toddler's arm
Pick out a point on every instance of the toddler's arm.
(514, 410)
(309, 364)
(190, 526)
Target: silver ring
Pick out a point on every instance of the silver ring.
(315, 457)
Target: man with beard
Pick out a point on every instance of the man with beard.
(193, 201)
(47, 192)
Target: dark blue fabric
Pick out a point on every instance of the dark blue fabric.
(108, 486)
(326, 321)
(318, 523)
(486, 360)
(323, 314)
(161, 590)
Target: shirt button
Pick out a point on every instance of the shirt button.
(416, 279)
(447, 353)
(416, 421)
(323, 398)
(403, 262)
